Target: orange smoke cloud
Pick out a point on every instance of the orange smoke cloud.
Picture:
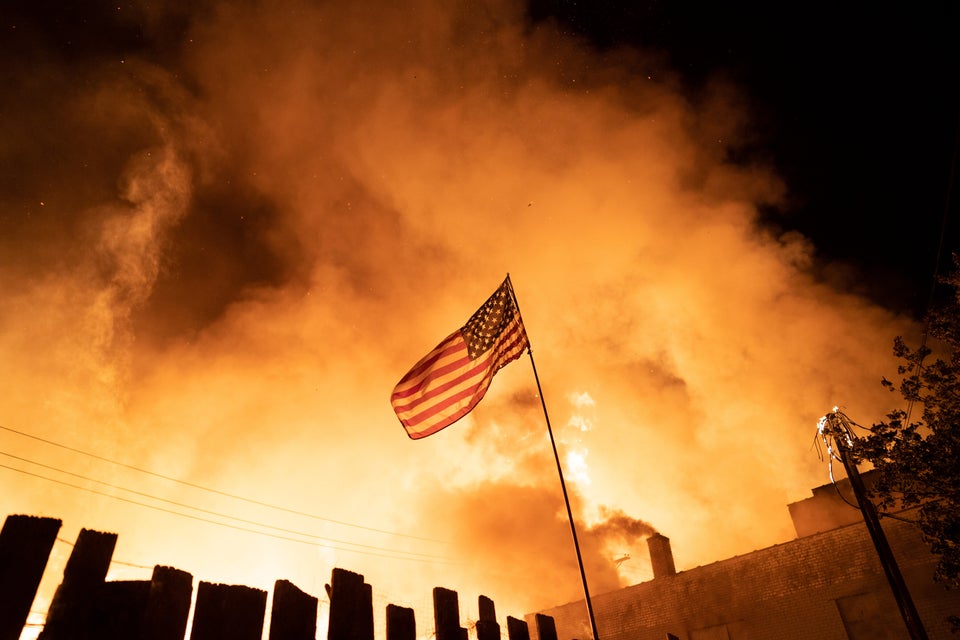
(226, 247)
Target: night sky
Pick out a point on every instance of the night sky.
(857, 106)
(226, 231)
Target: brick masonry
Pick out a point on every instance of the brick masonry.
(824, 586)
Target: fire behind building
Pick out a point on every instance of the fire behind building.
(827, 584)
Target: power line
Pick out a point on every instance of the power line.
(951, 175)
(216, 491)
(410, 556)
(214, 513)
(112, 560)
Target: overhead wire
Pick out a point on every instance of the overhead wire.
(207, 511)
(951, 176)
(410, 556)
(831, 426)
(316, 540)
(216, 491)
(112, 560)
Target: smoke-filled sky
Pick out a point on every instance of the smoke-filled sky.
(227, 232)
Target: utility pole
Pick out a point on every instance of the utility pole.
(837, 426)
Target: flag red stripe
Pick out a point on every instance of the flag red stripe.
(432, 392)
(469, 371)
(450, 345)
(418, 386)
(436, 407)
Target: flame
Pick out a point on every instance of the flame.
(577, 466)
(576, 456)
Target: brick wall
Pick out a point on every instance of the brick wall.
(826, 586)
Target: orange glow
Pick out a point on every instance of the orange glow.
(276, 222)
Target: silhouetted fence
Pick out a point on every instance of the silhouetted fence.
(88, 607)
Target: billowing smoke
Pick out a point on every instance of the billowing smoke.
(227, 235)
(616, 523)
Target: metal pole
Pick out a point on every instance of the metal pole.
(563, 486)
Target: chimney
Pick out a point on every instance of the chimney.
(661, 557)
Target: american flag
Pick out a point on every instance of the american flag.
(447, 383)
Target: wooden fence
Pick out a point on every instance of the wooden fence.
(88, 607)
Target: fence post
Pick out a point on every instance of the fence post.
(487, 626)
(168, 605)
(517, 629)
(70, 611)
(293, 614)
(351, 607)
(25, 545)
(228, 611)
(117, 610)
(446, 615)
(546, 627)
(401, 623)
(141, 609)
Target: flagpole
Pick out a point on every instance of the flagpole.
(556, 456)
